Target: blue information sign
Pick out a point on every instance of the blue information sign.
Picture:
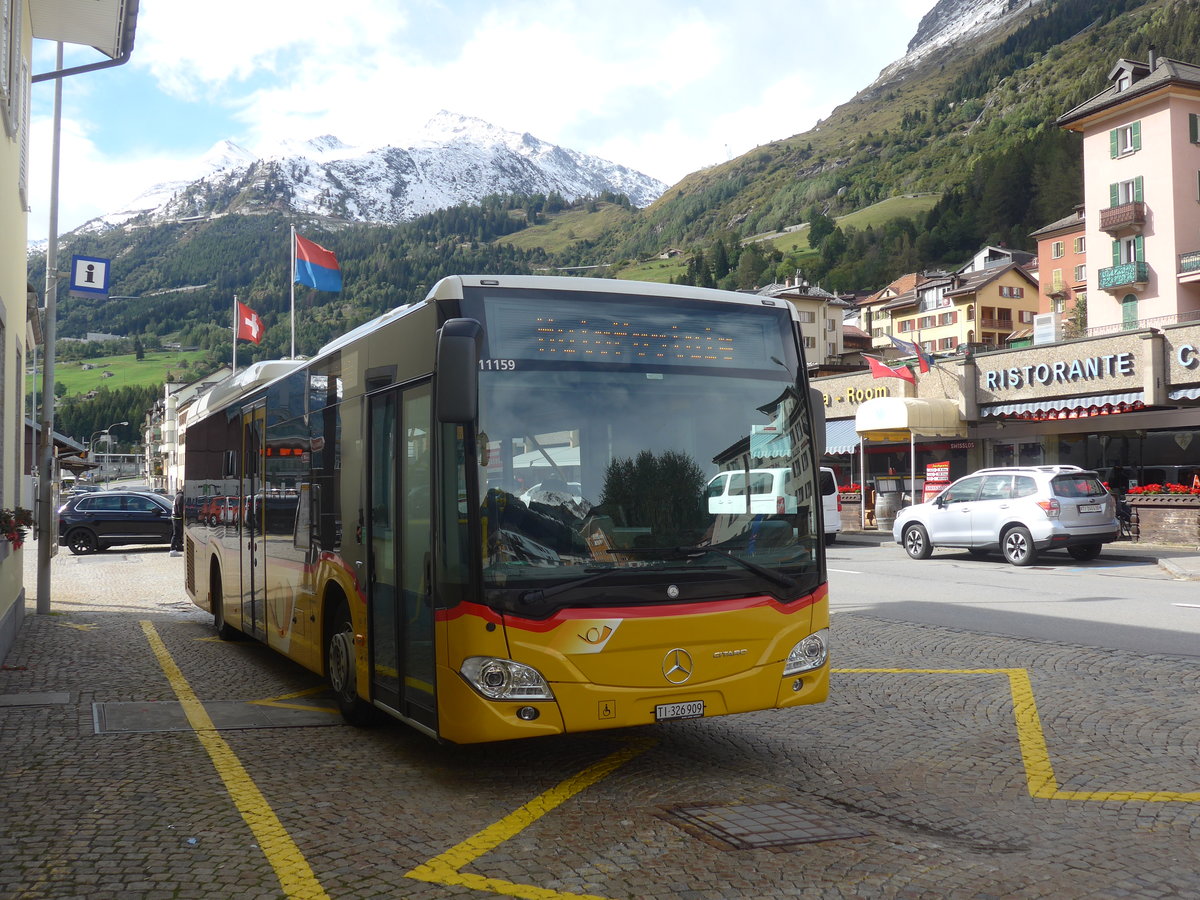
(89, 275)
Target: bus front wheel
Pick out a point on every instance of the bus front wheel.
(225, 631)
(340, 666)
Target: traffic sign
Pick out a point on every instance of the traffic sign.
(89, 276)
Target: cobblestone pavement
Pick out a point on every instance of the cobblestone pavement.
(959, 765)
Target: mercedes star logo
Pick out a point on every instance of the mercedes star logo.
(677, 666)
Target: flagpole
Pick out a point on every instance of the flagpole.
(235, 332)
(293, 280)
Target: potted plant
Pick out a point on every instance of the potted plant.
(13, 523)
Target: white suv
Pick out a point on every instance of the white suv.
(1019, 511)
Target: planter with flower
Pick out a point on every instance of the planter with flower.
(1165, 513)
(13, 523)
(850, 493)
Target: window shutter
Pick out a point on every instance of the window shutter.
(1116, 253)
(1137, 135)
(1112, 145)
(1138, 249)
(1137, 189)
(1194, 128)
(1114, 195)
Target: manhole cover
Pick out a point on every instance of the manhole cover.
(765, 825)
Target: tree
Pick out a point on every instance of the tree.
(819, 227)
(720, 260)
(751, 266)
(663, 491)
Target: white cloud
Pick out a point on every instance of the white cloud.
(663, 87)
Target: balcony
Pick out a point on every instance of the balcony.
(996, 324)
(1130, 276)
(1128, 217)
(1189, 267)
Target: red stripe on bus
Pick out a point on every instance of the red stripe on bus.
(663, 611)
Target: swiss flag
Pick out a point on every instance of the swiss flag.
(249, 325)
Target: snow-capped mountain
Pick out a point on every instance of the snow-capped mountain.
(456, 160)
(950, 23)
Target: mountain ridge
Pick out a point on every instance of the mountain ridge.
(456, 159)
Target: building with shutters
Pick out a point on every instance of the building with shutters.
(1141, 160)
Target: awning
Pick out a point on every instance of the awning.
(1065, 404)
(904, 418)
(106, 25)
(1185, 394)
(840, 437)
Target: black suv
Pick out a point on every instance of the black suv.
(91, 522)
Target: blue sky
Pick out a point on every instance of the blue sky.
(663, 87)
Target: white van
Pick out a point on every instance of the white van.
(831, 504)
(727, 493)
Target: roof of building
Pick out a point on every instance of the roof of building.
(901, 285)
(853, 331)
(1074, 222)
(804, 290)
(1148, 77)
(971, 282)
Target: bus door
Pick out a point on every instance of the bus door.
(400, 530)
(251, 517)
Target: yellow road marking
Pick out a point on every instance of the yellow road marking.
(445, 868)
(279, 702)
(86, 627)
(291, 868)
(1039, 773)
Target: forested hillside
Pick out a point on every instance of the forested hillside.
(975, 125)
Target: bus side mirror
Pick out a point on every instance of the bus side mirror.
(459, 344)
(816, 402)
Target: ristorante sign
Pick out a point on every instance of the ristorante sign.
(1068, 371)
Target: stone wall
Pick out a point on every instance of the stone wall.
(1165, 522)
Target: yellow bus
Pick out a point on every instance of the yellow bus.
(488, 513)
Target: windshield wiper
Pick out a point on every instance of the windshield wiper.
(537, 596)
(698, 552)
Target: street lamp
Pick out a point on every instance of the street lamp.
(92, 442)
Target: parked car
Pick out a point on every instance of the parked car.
(96, 521)
(221, 511)
(1020, 511)
(831, 504)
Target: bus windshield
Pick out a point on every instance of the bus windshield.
(649, 450)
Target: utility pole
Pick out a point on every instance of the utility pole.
(47, 527)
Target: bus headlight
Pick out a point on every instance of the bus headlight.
(503, 679)
(809, 654)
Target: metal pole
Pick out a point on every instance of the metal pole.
(292, 279)
(47, 528)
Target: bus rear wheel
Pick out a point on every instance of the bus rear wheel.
(340, 667)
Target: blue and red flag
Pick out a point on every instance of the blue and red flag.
(316, 266)
(923, 358)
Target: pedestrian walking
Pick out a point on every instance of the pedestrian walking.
(177, 524)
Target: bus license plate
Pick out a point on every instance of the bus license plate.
(1090, 507)
(691, 709)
